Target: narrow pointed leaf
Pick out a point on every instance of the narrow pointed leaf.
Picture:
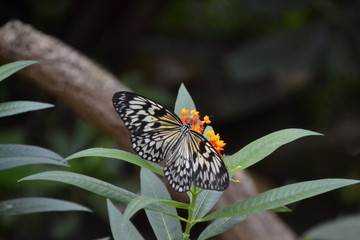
(16, 107)
(137, 204)
(175, 204)
(118, 154)
(34, 151)
(120, 227)
(88, 183)
(278, 197)
(34, 205)
(183, 100)
(281, 209)
(16, 155)
(219, 226)
(340, 228)
(10, 68)
(164, 226)
(259, 149)
(205, 201)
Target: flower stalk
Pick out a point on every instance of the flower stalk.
(194, 192)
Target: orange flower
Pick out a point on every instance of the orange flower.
(206, 120)
(183, 112)
(216, 142)
(194, 113)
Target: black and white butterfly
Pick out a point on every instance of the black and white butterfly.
(157, 134)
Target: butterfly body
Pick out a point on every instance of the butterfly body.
(158, 134)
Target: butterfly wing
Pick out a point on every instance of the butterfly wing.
(179, 166)
(195, 160)
(209, 168)
(154, 130)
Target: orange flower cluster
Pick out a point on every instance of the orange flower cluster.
(198, 125)
(216, 142)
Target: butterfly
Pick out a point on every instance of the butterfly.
(158, 134)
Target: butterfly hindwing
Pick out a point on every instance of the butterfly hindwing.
(179, 166)
(209, 168)
(157, 134)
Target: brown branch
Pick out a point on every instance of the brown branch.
(66, 74)
(88, 90)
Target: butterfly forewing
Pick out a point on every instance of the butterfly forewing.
(157, 134)
(153, 129)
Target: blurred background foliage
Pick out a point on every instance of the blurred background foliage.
(254, 66)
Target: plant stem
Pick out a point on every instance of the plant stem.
(190, 223)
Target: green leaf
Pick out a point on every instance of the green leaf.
(183, 100)
(340, 228)
(141, 202)
(88, 183)
(15, 155)
(120, 227)
(137, 204)
(164, 226)
(205, 201)
(259, 149)
(16, 107)
(10, 68)
(281, 209)
(118, 154)
(278, 197)
(219, 226)
(176, 204)
(34, 205)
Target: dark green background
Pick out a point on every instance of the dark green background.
(254, 66)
